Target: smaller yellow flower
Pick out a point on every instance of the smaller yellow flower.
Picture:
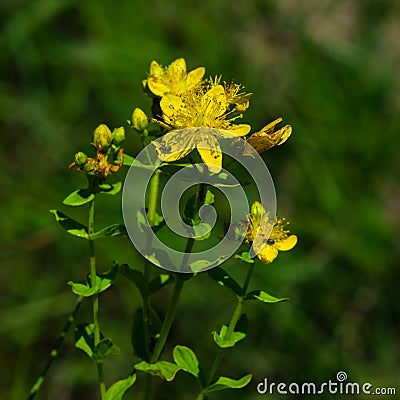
(266, 138)
(268, 237)
(172, 79)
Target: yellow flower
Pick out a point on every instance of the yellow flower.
(172, 79)
(266, 138)
(199, 120)
(268, 237)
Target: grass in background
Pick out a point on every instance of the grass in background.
(327, 67)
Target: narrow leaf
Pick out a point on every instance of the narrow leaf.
(109, 231)
(72, 227)
(224, 279)
(186, 359)
(163, 369)
(227, 383)
(263, 297)
(79, 197)
(118, 389)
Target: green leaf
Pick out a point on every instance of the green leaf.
(103, 282)
(110, 231)
(118, 389)
(134, 275)
(263, 297)
(186, 359)
(245, 257)
(227, 383)
(224, 279)
(159, 282)
(223, 342)
(83, 290)
(163, 369)
(209, 197)
(84, 338)
(79, 197)
(110, 188)
(202, 231)
(128, 160)
(72, 227)
(104, 348)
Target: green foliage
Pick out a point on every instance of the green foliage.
(186, 360)
(223, 341)
(163, 369)
(223, 383)
(79, 197)
(119, 388)
(224, 279)
(263, 297)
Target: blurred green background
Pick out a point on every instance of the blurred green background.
(327, 67)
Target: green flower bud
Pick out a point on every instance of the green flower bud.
(257, 210)
(102, 137)
(139, 120)
(80, 158)
(118, 135)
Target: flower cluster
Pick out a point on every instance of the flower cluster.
(196, 113)
(109, 156)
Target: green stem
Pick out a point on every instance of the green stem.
(231, 327)
(95, 307)
(169, 318)
(55, 349)
(153, 195)
(151, 213)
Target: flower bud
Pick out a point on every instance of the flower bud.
(80, 158)
(139, 120)
(102, 137)
(257, 210)
(118, 135)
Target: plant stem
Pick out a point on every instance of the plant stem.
(55, 349)
(169, 318)
(93, 276)
(151, 214)
(231, 327)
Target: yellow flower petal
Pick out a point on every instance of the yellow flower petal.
(177, 69)
(210, 152)
(170, 104)
(155, 68)
(194, 77)
(239, 130)
(175, 145)
(157, 86)
(268, 254)
(266, 138)
(287, 244)
(214, 102)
